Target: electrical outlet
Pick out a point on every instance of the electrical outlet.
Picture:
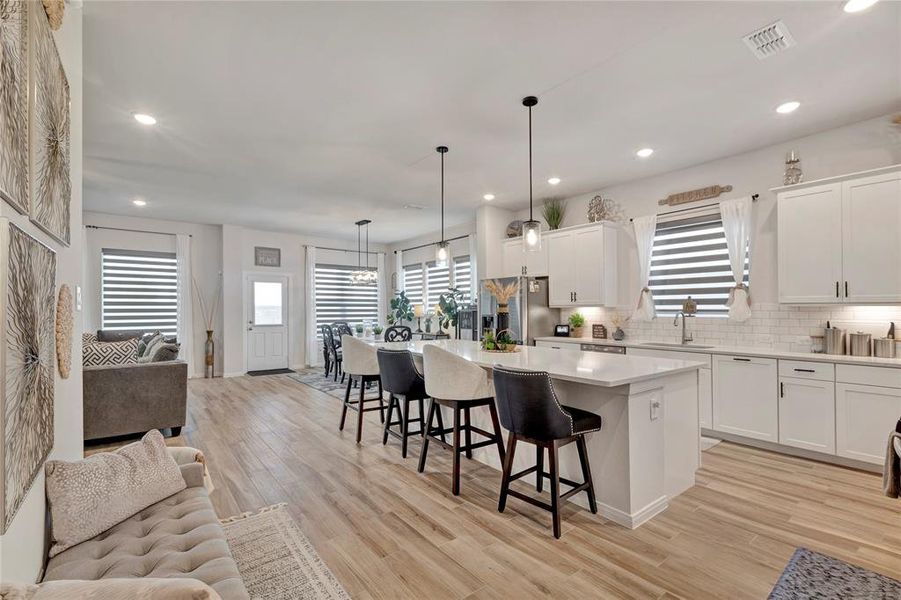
(655, 409)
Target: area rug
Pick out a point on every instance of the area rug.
(317, 380)
(810, 574)
(276, 560)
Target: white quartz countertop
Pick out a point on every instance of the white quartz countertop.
(732, 350)
(605, 370)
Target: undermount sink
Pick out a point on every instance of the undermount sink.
(673, 345)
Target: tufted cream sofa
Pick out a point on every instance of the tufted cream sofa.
(179, 537)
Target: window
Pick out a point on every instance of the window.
(338, 300)
(689, 258)
(139, 290)
(436, 283)
(267, 303)
(413, 283)
(463, 277)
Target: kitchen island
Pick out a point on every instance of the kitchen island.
(649, 446)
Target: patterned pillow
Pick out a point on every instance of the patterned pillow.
(160, 353)
(88, 338)
(110, 353)
(145, 340)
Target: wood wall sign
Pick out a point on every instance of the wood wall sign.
(704, 193)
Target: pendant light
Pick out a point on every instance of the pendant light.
(443, 249)
(531, 229)
(363, 276)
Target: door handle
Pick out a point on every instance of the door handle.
(806, 370)
(575, 296)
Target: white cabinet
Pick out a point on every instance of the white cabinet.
(864, 416)
(744, 397)
(705, 383)
(517, 262)
(807, 414)
(839, 241)
(581, 265)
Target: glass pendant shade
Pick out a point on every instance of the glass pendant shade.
(441, 254)
(363, 276)
(531, 236)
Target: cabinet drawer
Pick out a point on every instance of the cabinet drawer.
(807, 370)
(881, 376)
(554, 345)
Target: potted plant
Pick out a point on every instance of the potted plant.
(359, 329)
(449, 308)
(502, 293)
(401, 309)
(576, 322)
(377, 330)
(553, 211)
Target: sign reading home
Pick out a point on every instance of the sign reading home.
(267, 257)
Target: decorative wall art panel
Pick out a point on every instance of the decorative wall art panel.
(27, 345)
(51, 188)
(14, 104)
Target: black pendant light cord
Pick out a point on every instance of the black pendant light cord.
(531, 218)
(442, 197)
(367, 246)
(358, 247)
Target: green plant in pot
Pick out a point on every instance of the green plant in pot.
(553, 211)
(449, 308)
(401, 309)
(377, 330)
(576, 323)
(359, 329)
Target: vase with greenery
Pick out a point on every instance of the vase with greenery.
(401, 309)
(576, 322)
(553, 211)
(208, 314)
(502, 293)
(449, 307)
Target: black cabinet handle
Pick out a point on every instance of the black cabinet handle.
(742, 359)
(806, 370)
(575, 296)
(846, 289)
(781, 390)
(836, 289)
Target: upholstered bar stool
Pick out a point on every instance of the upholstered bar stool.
(530, 411)
(460, 385)
(360, 365)
(405, 385)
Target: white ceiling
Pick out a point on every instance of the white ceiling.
(308, 116)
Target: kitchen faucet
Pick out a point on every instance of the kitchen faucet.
(685, 337)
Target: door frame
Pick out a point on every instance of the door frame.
(245, 303)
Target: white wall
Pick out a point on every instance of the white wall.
(206, 266)
(238, 261)
(22, 547)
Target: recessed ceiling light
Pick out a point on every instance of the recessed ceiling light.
(488, 197)
(855, 6)
(645, 152)
(144, 119)
(554, 180)
(787, 107)
(139, 202)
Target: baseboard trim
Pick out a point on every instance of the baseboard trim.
(234, 374)
(636, 519)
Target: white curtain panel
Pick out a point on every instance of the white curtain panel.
(312, 345)
(185, 305)
(473, 263)
(737, 225)
(383, 288)
(644, 229)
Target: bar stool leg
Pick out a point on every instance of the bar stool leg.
(344, 408)
(508, 468)
(421, 418)
(360, 412)
(404, 427)
(586, 472)
(498, 438)
(466, 428)
(555, 486)
(539, 474)
(441, 424)
(391, 401)
(381, 403)
(425, 438)
(455, 483)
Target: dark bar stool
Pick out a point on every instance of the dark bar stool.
(530, 411)
(405, 385)
(460, 385)
(362, 366)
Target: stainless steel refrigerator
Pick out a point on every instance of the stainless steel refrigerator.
(530, 316)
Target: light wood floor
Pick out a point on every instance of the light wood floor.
(388, 532)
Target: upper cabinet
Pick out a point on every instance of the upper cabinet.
(840, 239)
(517, 262)
(582, 266)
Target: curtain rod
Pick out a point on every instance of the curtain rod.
(754, 198)
(346, 250)
(133, 230)
(453, 239)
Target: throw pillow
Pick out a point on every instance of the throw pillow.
(110, 353)
(137, 588)
(161, 353)
(151, 344)
(145, 340)
(88, 338)
(89, 496)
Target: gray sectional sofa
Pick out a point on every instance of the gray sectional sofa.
(129, 399)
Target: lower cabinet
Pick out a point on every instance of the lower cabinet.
(705, 398)
(864, 416)
(807, 414)
(744, 397)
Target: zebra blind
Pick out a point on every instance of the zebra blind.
(338, 300)
(690, 258)
(436, 283)
(463, 277)
(413, 283)
(139, 290)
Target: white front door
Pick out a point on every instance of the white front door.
(267, 322)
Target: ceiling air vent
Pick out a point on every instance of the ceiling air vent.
(769, 40)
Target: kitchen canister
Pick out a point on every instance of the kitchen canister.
(884, 347)
(835, 340)
(860, 344)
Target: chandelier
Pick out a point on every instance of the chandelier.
(363, 276)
